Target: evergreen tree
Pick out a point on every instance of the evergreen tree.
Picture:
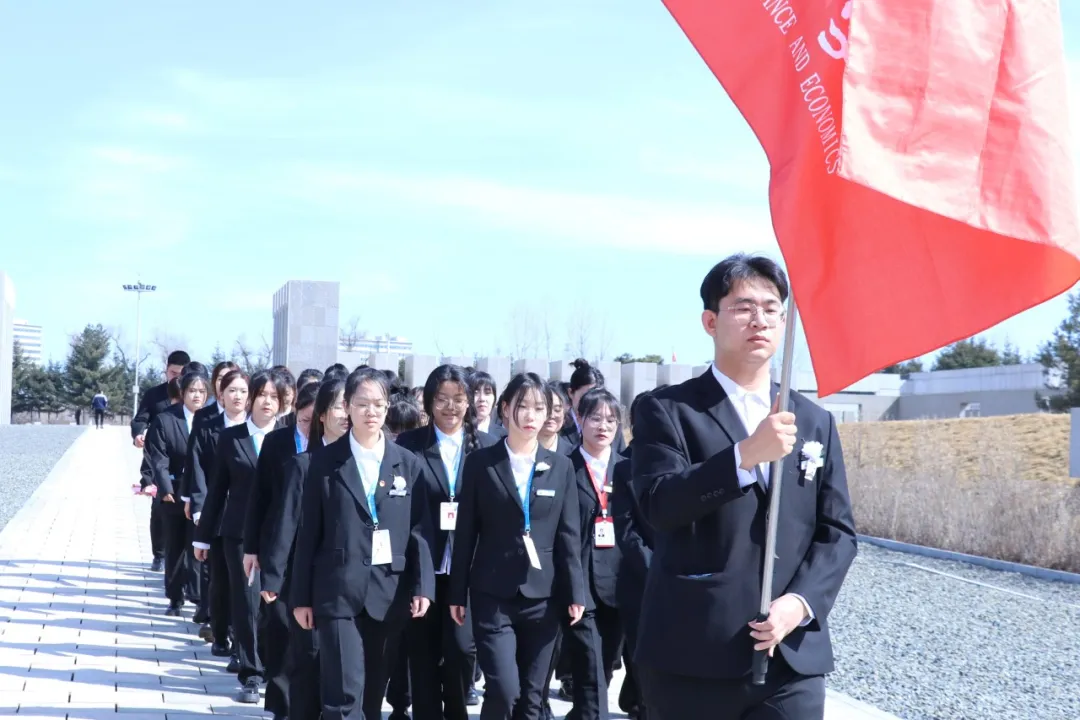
(1062, 353)
(904, 368)
(218, 356)
(86, 371)
(970, 353)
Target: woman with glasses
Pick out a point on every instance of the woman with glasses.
(584, 378)
(442, 654)
(362, 565)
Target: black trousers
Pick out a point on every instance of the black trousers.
(631, 694)
(398, 692)
(785, 695)
(174, 528)
(580, 647)
(220, 594)
(303, 669)
(157, 530)
(442, 656)
(514, 642)
(274, 643)
(99, 418)
(244, 602)
(202, 579)
(355, 658)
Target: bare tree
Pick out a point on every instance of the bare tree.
(547, 334)
(252, 358)
(604, 337)
(350, 336)
(579, 330)
(522, 327)
(166, 342)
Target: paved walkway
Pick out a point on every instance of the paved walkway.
(82, 627)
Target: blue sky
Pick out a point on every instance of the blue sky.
(482, 155)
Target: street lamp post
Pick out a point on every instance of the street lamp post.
(139, 289)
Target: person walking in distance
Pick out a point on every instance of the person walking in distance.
(99, 404)
(700, 470)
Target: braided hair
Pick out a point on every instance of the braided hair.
(457, 375)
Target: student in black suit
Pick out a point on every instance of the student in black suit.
(166, 447)
(260, 530)
(442, 653)
(363, 563)
(584, 378)
(152, 402)
(329, 422)
(485, 394)
(551, 437)
(701, 456)
(233, 400)
(517, 554)
(227, 496)
(287, 412)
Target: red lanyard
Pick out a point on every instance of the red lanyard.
(599, 488)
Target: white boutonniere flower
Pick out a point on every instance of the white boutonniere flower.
(812, 458)
(542, 466)
(399, 483)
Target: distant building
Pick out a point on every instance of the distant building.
(378, 344)
(306, 325)
(30, 339)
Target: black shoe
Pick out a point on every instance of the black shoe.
(471, 698)
(175, 609)
(206, 633)
(220, 650)
(566, 691)
(399, 715)
(157, 565)
(234, 665)
(201, 616)
(250, 692)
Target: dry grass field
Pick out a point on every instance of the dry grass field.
(997, 487)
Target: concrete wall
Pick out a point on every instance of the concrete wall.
(7, 345)
(306, 325)
(951, 405)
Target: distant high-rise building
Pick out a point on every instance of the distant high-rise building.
(377, 344)
(306, 325)
(30, 339)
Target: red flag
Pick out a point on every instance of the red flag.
(673, 357)
(944, 203)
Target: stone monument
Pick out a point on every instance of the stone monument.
(7, 345)
(306, 325)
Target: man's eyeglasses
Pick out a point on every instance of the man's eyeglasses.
(745, 313)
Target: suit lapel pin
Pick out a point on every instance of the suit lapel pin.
(812, 460)
(382, 483)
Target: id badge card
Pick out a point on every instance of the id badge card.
(380, 548)
(604, 533)
(448, 516)
(534, 557)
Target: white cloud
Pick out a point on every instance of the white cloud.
(618, 220)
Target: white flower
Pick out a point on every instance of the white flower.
(399, 483)
(542, 466)
(812, 451)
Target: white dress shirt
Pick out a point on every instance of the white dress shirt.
(257, 435)
(230, 423)
(189, 417)
(522, 467)
(450, 450)
(598, 466)
(368, 461)
(483, 425)
(752, 406)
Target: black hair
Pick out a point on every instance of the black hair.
(557, 391)
(637, 399)
(286, 375)
(232, 376)
(596, 398)
(516, 391)
(584, 375)
(737, 268)
(260, 380)
(305, 396)
(220, 369)
(478, 380)
(336, 367)
(325, 396)
(457, 375)
(364, 374)
(334, 374)
(396, 384)
(190, 378)
(197, 368)
(178, 357)
(173, 387)
(311, 375)
(403, 414)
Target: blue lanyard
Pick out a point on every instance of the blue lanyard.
(528, 500)
(371, 506)
(299, 441)
(454, 477)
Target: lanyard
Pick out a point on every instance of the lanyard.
(599, 488)
(299, 441)
(528, 500)
(370, 497)
(452, 480)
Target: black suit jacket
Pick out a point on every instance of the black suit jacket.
(202, 455)
(423, 443)
(489, 547)
(191, 483)
(601, 565)
(166, 450)
(153, 401)
(332, 571)
(276, 554)
(704, 583)
(278, 446)
(632, 534)
(229, 487)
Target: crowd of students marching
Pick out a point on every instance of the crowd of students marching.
(347, 539)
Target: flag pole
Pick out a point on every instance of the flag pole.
(776, 470)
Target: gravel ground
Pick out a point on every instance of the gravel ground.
(27, 454)
(924, 646)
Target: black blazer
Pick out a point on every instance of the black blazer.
(277, 552)
(191, 484)
(489, 547)
(565, 447)
(423, 443)
(332, 571)
(166, 449)
(229, 487)
(278, 446)
(704, 583)
(202, 454)
(632, 534)
(600, 565)
(495, 427)
(154, 401)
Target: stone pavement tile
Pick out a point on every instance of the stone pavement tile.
(133, 714)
